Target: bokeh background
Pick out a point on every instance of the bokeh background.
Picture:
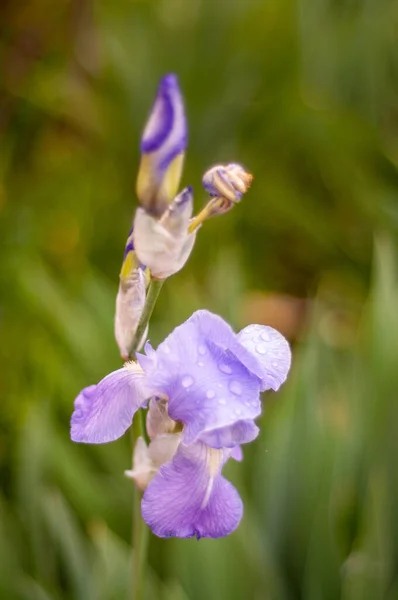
(305, 94)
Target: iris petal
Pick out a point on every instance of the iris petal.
(272, 353)
(208, 388)
(104, 412)
(189, 497)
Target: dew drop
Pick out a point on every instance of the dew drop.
(222, 401)
(220, 385)
(187, 381)
(201, 364)
(238, 411)
(274, 364)
(166, 349)
(265, 336)
(202, 349)
(261, 349)
(235, 388)
(225, 368)
(210, 394)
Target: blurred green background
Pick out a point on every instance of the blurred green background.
(305, 94)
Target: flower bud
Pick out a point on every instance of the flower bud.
(228, 181)
(162, 149)
(165, 244)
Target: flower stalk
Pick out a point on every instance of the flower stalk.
(153, 292)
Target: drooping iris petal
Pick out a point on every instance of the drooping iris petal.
(103, 412)
(162, 146)
(189, 497)
(272, 352)
(209, 389)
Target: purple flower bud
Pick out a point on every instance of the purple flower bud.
(162, 146)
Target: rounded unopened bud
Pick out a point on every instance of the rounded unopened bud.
(228, 181)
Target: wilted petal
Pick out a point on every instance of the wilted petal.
(210, 391)
(158, 420)
(103, 412)
(148, 459)
(163, 143)
(164, 245)
(272, 352)
(143, 468)
(130, 301)
(189, 497)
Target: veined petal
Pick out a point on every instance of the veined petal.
(103, 412)
(271, 351)
(212, 508)
(163, 143)
(209, 389)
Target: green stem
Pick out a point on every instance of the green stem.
(140, 530)
(153, 292)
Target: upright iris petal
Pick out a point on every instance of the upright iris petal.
(272, 353)
(162, 146)
(209, 390)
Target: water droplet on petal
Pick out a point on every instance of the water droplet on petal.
(225, 368)
(202, 349)
(201, 364)
(187, 381)
(235, 388)
(265, 336)
(166, 349)
(210, 394)
(220, 385)
(274, 364)
(238, 411)
(261, 349)
(222, 401)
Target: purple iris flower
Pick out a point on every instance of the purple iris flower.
(207, 380)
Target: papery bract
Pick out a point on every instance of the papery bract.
(164, 244)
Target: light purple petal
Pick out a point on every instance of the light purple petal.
(103, 412)
(189, 497)
(226, 437)
(208, 388)
(272, 352)
(237, 453)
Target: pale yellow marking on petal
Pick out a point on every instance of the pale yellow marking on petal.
(213, 462)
